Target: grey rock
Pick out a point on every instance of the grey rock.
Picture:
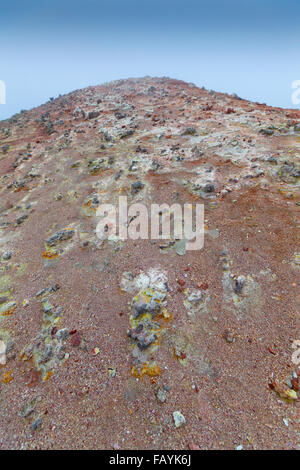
(139, 308)
(48, 352)
(60, 236)
(93, 114)
(239, 284)
(181, 247)
(297, 127)
(36, 424)
(5, 148)
(7, 255)
(21, 219)
(126, 133)
(143, 338)
(209, 188)
(62, 334)
(119, 115)
(179, 419)
(136, 187)
(189, 131)
(161, 395)
(266, 131)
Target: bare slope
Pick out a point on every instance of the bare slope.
(79, 371)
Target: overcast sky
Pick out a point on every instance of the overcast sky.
(249, 47)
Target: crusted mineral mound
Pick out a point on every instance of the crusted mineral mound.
(143, 344)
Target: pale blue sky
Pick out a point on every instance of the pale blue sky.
(249, 47)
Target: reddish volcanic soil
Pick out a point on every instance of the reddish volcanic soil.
(143, 344)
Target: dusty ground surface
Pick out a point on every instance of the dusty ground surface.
(102, 341)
